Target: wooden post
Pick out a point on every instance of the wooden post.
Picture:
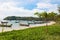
(6, 24)
(2, 28)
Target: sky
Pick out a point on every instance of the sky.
(26, 7)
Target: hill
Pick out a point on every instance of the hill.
(21, 18)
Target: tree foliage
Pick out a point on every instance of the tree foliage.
(21, 18)
(47, 16)
(52, 15)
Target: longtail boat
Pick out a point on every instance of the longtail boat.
(2, 25)
(24, 24)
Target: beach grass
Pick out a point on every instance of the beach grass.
(51, 32)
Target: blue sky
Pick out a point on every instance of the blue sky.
(26, 7)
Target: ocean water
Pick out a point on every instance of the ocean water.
(15, 24)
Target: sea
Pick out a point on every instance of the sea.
(15, 24)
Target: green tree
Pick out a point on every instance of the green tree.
(38, 14)
(52, 16)
(58, 18)
(59, 8)
(42, 15)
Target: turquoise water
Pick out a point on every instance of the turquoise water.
(16, 24)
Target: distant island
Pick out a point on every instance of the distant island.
(22, 18)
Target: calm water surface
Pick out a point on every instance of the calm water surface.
(16, 24)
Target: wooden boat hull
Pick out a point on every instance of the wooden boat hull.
(24, 25)
(5, 25)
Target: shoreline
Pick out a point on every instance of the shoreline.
(44, 24)
(25, 27)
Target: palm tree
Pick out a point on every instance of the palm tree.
(42, 15)
(52, 16)
(38, 14)
(59, 8)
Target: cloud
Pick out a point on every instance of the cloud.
(47, 6)
(9, 9)
(21, 7)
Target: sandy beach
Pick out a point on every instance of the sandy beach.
(44, 24)
(24, 27)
